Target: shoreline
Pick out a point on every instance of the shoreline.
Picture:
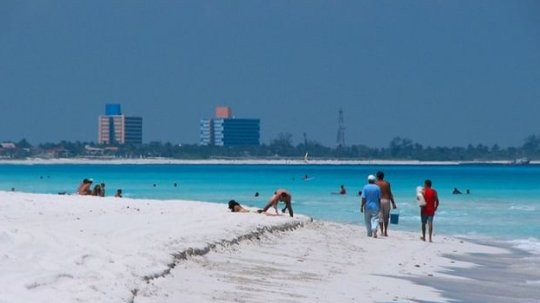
(508, 277)
(107, 249)
(526, 244)
(148, 161)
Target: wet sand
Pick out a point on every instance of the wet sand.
(511, 277)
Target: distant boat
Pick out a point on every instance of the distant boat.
(521, 161)
(306, 158)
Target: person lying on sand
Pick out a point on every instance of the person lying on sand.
(279, 195)
(235, 207)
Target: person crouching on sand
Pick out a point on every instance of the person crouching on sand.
(279, 195)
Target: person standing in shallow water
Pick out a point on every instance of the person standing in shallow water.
(427, 212)
(386, 198)
(371, 206)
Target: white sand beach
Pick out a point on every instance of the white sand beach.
(56, 248)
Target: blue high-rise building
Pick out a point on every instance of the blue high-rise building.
(230, 131)
(113, 109)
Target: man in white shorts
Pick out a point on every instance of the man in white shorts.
(386, 198)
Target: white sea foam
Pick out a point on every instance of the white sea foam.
(531, 245)
(522, 207)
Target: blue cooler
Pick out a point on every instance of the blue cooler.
(394, 218)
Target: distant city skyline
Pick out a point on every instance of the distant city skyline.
(446, 73)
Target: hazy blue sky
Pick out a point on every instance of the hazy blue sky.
(438, 72)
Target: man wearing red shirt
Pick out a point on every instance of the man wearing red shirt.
(427, 212)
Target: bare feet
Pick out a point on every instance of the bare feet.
(386, 234)
(374, 235)
(423, 239)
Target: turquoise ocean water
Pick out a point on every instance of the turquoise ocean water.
(504, 203)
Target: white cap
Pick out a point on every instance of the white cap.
(371, 178)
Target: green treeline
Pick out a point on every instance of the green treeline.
(281, 147)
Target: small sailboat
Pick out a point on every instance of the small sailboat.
(306, 160)
(521, 161)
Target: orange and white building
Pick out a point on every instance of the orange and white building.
(116, 128)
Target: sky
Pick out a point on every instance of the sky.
(446, 73)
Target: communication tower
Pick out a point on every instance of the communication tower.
(341, 130)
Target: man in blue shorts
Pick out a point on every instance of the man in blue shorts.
(371, 206)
